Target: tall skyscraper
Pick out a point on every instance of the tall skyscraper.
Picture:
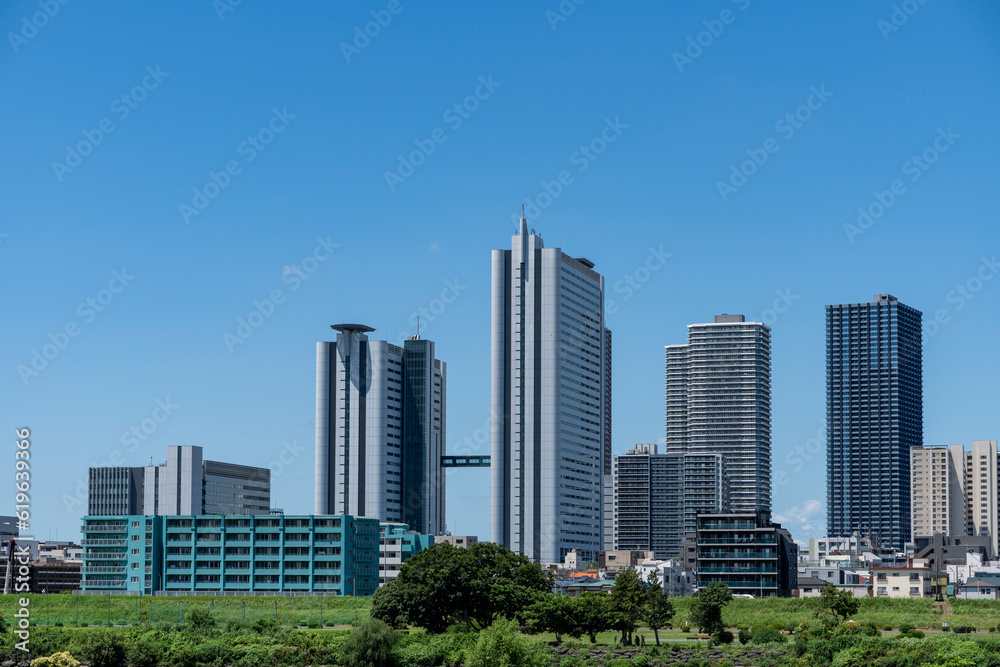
(380, 429)
(549, 397)
(658, 497)
(874, 416)
(718, 401)
(185, 484)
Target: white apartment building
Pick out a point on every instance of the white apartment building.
(954, 491)
(981, 490)
(675, 581)
(937, 490)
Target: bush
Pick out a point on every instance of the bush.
(143, 653)
(724, 637)
(767, 635)
(501, 645)
(104, 648)
(199, 619)
(369, 646)
(915, 634)
(686, 628)
(265, 626)
(745, 635)
(905, 627)
(63, 659)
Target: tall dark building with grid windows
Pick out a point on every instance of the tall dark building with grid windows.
(874, 415)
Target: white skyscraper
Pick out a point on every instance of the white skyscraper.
(550, 400)
(718, 401)
(380, 429)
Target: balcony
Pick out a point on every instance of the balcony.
(103, 542)
(103, 569)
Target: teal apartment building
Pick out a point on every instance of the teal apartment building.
(262, 554)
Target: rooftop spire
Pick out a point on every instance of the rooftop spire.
(524, 223)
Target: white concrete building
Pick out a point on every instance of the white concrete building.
(675, 581)
(913, 581)
(380, 429)
(937, 490)
(549, 440)
(981, 490)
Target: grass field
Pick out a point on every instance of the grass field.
(92, 610)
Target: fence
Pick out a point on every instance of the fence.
(112, 610)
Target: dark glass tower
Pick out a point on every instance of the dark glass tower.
(874, 415)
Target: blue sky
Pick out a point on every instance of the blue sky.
(252, 140)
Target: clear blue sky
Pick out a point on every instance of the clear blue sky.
(879, 96)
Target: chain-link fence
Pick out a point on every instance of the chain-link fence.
(116, 610)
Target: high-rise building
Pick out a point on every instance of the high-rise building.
(185, 484)
(380, 429)
(549, 398)
(937, 490)
(981, 480)
(718, 401)
(609, 483)
(658, 497)
(874, 416)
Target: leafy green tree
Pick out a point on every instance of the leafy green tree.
(706, 608)
(556, 614)
(474, 586)
(839, 603)
(388, 605)
(626, 603)
(593, 613)
(501, 645)
(370, 645)
(659, 611)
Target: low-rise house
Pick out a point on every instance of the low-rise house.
(979, 588)
(913, 580)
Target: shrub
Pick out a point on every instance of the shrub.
(63, 659)
(686, 628)
(905, 627)
(104, 649)
(641, 660)
(501, 645)
(142, 653)
(767, 635)
(369, 646)
(724, 637)
(745, 635)
(265, 626)
(199, 619)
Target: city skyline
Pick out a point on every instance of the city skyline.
(171, 268)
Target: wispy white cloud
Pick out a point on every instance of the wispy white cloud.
(802, 517)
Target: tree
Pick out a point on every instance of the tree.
(475, 586)
(706, 609)
(388, 605)
(556, 614)
(659, 610)
(370, 645)
(839, 603)
(593, 613)
(627, 600)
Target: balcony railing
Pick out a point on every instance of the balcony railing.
(103, 569)
(103, 543)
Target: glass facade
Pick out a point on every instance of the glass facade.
(874, 403)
